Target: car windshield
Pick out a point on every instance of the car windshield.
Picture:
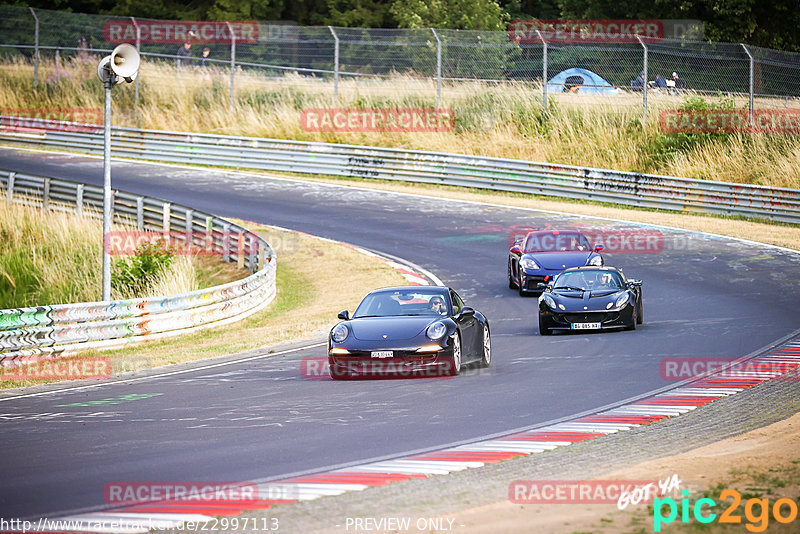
(556, 242)
(402, 302)
(589, 281)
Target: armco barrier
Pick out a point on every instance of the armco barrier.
(644, 190)
(59, 330)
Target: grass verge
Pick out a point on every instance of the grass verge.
(503, 120)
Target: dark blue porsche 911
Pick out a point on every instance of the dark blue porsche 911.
(544, 254)
(409, 331)
(590, 298)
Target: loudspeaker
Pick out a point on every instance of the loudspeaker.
(125, 62)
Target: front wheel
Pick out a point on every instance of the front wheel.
(511, 283)
(487, 348)
(454, 362)
(338, 374)
(640, 315)
(543, 330)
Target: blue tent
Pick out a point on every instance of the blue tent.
(579, 80)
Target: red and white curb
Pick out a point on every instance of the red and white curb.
(141, 518)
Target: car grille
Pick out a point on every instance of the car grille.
(596, 317)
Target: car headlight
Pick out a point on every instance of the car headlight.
(549, 301)
(529, 265)
(339, 333)
(597, 261)
(436, 330)
(622, 300)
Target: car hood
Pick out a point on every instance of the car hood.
(390, 328)
(588, 301)
(559, 260)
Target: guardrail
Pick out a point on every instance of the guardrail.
(58, 330)
(635, 189)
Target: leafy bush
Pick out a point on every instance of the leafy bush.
(132, 276)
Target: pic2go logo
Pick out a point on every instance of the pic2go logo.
(783, 510)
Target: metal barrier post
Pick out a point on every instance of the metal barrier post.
(226, 243)
(188, 226)
(645, 86)
(335, 63)
(140, 213)
(79, 200)
(35, 49)
(233, 62)
(438, 69)
(10, 193)
(240, 250)
(750, 89)
(544, 70)
(46, 195)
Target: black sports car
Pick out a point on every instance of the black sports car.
(544, 254)
(409, 331)
(590, 298)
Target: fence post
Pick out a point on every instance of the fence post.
(35, 49)
(233, 61)
(335, 64)
(544, 70)
(750, 89)
(79, 201)
(138, 49)
(10, 193)
(645, 86)
(438, 69)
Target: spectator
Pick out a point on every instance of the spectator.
(203, 61)
(184, 54)
(680, 83)
(660, 83)
(638, 83)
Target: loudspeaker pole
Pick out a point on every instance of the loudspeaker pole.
(107, 197)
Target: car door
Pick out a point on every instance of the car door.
(468, 325)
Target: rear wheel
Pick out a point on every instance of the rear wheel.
(543, 330)
(487, 348)
(454, 362)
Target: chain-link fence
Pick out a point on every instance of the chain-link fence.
(426, 66)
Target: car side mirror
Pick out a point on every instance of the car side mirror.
(598, 247)
(516, 250)
(344, 315)
(541, 285)
(467, 310)
(635, 283)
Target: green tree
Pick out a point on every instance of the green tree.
(452, 14)
(360, 14)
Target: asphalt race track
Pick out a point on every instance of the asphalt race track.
(258, 419)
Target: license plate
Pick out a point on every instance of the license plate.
(585, 326)
(382, 354)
